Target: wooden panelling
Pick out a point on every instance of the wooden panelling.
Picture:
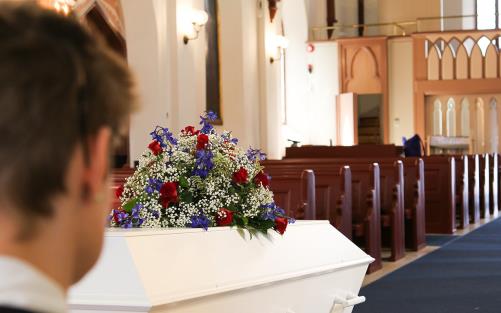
(363, 64)
(440, 189)
(449, 63)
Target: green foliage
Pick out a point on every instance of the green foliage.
(127, 207)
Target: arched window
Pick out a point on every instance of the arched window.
(479, 126)
(450, 118)
(493, 126)
(437, 117)
(465, 117)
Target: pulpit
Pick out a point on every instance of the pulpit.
(311, 268)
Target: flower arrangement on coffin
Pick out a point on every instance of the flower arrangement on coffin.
(199, 180)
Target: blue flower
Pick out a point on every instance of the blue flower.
(200, 221)
(156, 134)
(170, 137)
(153, 185)
(211, 116)
(161, 133)
(205, 121)
(155, 214)
(255, 155)
(203, 163)
(272, 211)
(126, 220)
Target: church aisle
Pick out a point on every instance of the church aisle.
(462, 276)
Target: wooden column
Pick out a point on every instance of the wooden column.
(331, 16)
(361, 17)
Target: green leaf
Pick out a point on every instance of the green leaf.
(187, 197)
(183, 182)
(245, 220)
(241, 233)
(129, 205)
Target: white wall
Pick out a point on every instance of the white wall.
(171, 75)
(310, 97)
(190, 59)
(323, 86)
(450, 8)
(316, 11)
(400, 79)
(147, 53)
(270, 121)
(296, 67)
(458, 7)
(239, 69)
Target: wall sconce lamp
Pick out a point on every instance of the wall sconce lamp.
(198, 19)
(281, 44)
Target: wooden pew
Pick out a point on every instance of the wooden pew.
(365, 187)
(484, 186)
(295, 193)
(414, 195)
(493, 185)
(118, 177)
(462, 191)
(332, 191)
(414, 203)
(440, 189)
(372, 150)
(391, 199)
(474, 187)
(499, 185)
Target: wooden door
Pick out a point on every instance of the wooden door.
(347, 119)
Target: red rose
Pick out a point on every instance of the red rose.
(240, 177)
(168, 194)
(281, 225)
(155, 147)
(190, 130)
(119, 191)
(262, 178)
(224, 217)
(202, 141)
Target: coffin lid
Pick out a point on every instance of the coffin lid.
(145, 268)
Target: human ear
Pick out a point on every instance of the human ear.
(98, 161)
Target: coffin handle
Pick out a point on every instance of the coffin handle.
(340, 303)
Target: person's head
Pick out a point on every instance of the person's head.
(64, 97)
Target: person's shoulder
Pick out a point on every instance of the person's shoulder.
(14, 310)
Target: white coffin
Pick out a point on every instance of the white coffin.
(308, 270)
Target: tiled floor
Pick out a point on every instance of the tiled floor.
(410, 256)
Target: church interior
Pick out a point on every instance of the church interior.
(334, 92)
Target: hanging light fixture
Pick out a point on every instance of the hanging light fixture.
(60, 6)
